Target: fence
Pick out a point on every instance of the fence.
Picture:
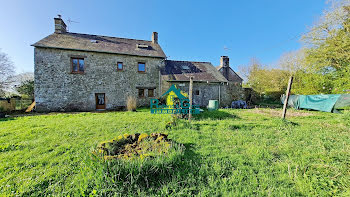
(14, 104)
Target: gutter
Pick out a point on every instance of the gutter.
(195, 81)
(85, 50)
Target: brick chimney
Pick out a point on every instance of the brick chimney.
(60, 26)
(225, 64)
(155, 37)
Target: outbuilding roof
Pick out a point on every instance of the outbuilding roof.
(233, 76)
(105, 44)
(183, 70)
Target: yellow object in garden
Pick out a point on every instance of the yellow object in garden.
(142, 136)
(120, 137)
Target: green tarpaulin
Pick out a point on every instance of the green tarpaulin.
(323, 102)
(318, 102)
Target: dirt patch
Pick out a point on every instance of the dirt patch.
(134, 146)
(278, 113)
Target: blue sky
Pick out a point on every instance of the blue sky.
(188, 29)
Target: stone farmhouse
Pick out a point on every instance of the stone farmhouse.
(82, 72)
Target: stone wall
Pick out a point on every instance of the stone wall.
(57, 89)
(231, 92)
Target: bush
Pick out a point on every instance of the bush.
(131, 103)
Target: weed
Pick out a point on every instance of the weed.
(131, 103)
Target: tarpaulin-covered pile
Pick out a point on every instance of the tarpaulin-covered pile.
(323, 102)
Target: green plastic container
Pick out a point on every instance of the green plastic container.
(213, 105)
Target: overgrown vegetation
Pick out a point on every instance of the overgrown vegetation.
(224, 153)
(131, 103)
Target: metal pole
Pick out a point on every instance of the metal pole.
(287, 97)
(190, 97)
(219, 94)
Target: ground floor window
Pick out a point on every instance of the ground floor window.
(150, 92)
(141, 93)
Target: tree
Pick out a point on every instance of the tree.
(6, 72)
(26, 88)
(328, 54)
(270, 82)
(292, 61)
(321, 66)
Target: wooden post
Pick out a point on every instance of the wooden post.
(287, 97)
(190, 97)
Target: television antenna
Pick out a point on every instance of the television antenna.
(70, 21)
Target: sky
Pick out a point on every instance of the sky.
(188, 29)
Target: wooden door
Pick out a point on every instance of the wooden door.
(100, 100)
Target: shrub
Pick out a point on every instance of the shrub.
(131, 103)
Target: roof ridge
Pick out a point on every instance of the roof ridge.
(107, 36)
(188, 61)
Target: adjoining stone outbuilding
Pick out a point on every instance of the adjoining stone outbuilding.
(83, 72)
(208, 83)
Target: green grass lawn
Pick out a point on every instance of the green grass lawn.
(228, 152)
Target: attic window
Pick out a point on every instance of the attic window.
(93, 41)
(142, 46)
(185, 67)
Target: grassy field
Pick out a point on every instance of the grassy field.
(228, 152)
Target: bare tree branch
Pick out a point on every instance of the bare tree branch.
(7, 70)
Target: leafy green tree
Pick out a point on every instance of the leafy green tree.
(322, 66)
(26, 88)
(266, 81)
(328, 54)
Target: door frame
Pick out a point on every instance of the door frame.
(97, 106)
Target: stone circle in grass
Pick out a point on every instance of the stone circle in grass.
(134, 146)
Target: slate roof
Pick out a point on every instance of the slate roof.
(183, 70)
(96, 43)
(232, 71)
